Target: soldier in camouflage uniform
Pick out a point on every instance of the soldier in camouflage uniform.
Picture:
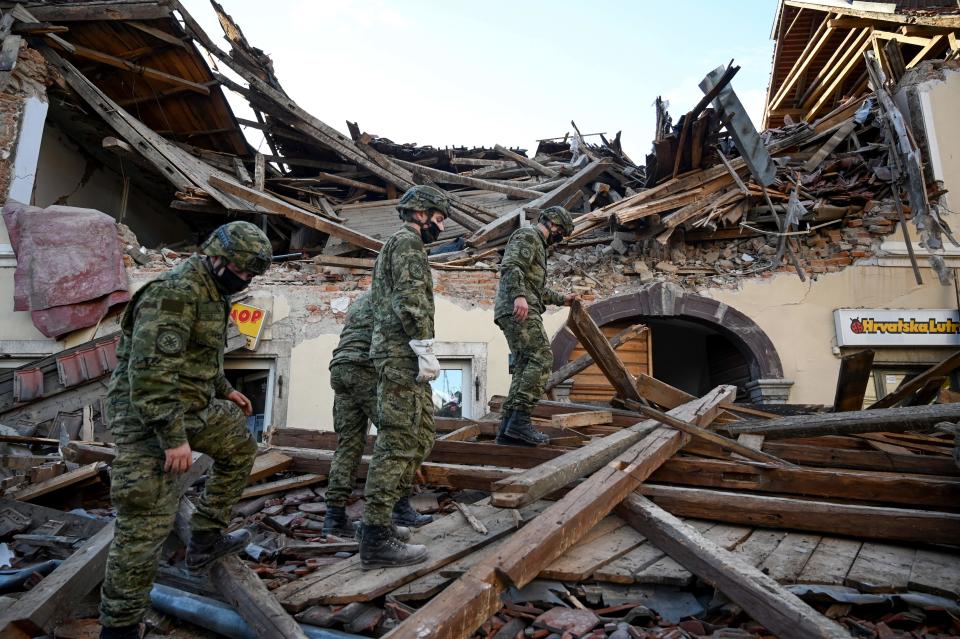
(353, 378)
(168, 397)
(521, 299)
(401, 348)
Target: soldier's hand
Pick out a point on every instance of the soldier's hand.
(179, 459)
(520, 309)
(242, 401)
(570, 298)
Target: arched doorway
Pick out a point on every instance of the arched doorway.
(695, 343)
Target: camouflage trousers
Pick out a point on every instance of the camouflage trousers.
(147, 498)
(405, 434)
(532, 361)
(354, 405)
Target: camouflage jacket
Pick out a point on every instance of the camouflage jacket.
(523, 272)
(354, 346)
(170, 356)
(401, 296)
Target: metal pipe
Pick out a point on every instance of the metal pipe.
(220, 618)
(12, 580)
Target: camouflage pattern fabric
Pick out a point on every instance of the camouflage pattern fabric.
(168, 389)
(533, 361)
(405, 436)
(402, 299)
(560, 216)
(354, 406)
(523, 273)
(354, 344)
(241, 243)
(424, 198)
(401, 295)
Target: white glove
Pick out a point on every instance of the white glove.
(426, 360)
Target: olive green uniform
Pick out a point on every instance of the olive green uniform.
(354, 381)
(523, 273)
(168, 389)
(402, 299)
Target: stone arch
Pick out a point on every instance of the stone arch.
(668, 300)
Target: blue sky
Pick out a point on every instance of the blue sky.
(498, 71)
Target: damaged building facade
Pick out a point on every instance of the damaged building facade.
(683, 243)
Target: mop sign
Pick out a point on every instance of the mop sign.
(896, 327)
(250, 320)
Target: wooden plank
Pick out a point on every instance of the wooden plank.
(907, 389)
(138, 69)
(893, 420)
(549, 476)
(578, 420)
(701, 433)
(570, 369)
(447, 539)
(347, 262)
(592, 339)
(828, 147)
(859, 459)
(49, 601)
(936, 572)
(623, 570)
(830, 561)
(785, 614)
(759, 545)
(273, 205)
(913, 491)
(869, 522)
(881, 568)
(101, 11)
(525, 161)
(661, 393)
(463, 433)
(282, 485)
(468, 602)
(855, 370)
(269, 463)
(605, 543)
(445, 177)
(789, 558)
(66, 480)
(668, 571)
(504, 224)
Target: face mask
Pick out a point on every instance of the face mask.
(228, 282)
(554, 237)
(429, 232)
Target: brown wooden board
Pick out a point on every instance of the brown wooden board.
(881, 568)
(788, 559)
(830, 561)
(936, 572)
(761, 597)
(855, 370)
(60, 482)
(595, 342)
(869, 522)
(594, 551)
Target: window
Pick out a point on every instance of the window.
(254, 378)
(461, 389)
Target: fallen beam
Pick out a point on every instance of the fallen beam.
(890, 420)
(910, 387)
(545, 478)
(594, 342)
(869, 522)
(583, 362)
(855, 371)
(780, 611)
(463, 606)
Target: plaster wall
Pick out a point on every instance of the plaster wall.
(940, 102)
(798, 316)
(310, 401)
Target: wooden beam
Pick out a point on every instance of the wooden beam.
(855, 373)
(594, 342)
(579, 420)
(810, 51)
(272, 205)
(66, 480)
(51, 600)
(282, 485)
(156, 96)
(583, 362)
(915, 384)
(844, 9)
(546, 477)
(779, 610)
(463, 606)
(461, 434)
(870, 522)
(139, 69)
(506, 223)
(845, 66)
(893, 420)
(269, 463)
(445, 177)
(885, 488)
(525, 161)
(701, 433)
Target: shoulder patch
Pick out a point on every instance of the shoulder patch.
(169, 341)
(416, 270)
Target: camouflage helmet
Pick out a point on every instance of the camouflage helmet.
(559, 216)
(423, 198)
(241, 243)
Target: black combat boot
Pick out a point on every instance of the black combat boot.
(504, 418)
(380, 549)
(502, 438)
(519, 428)
(400, 532)
(405, 515)
(335, 522)
(206, 547)
(134, 631)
